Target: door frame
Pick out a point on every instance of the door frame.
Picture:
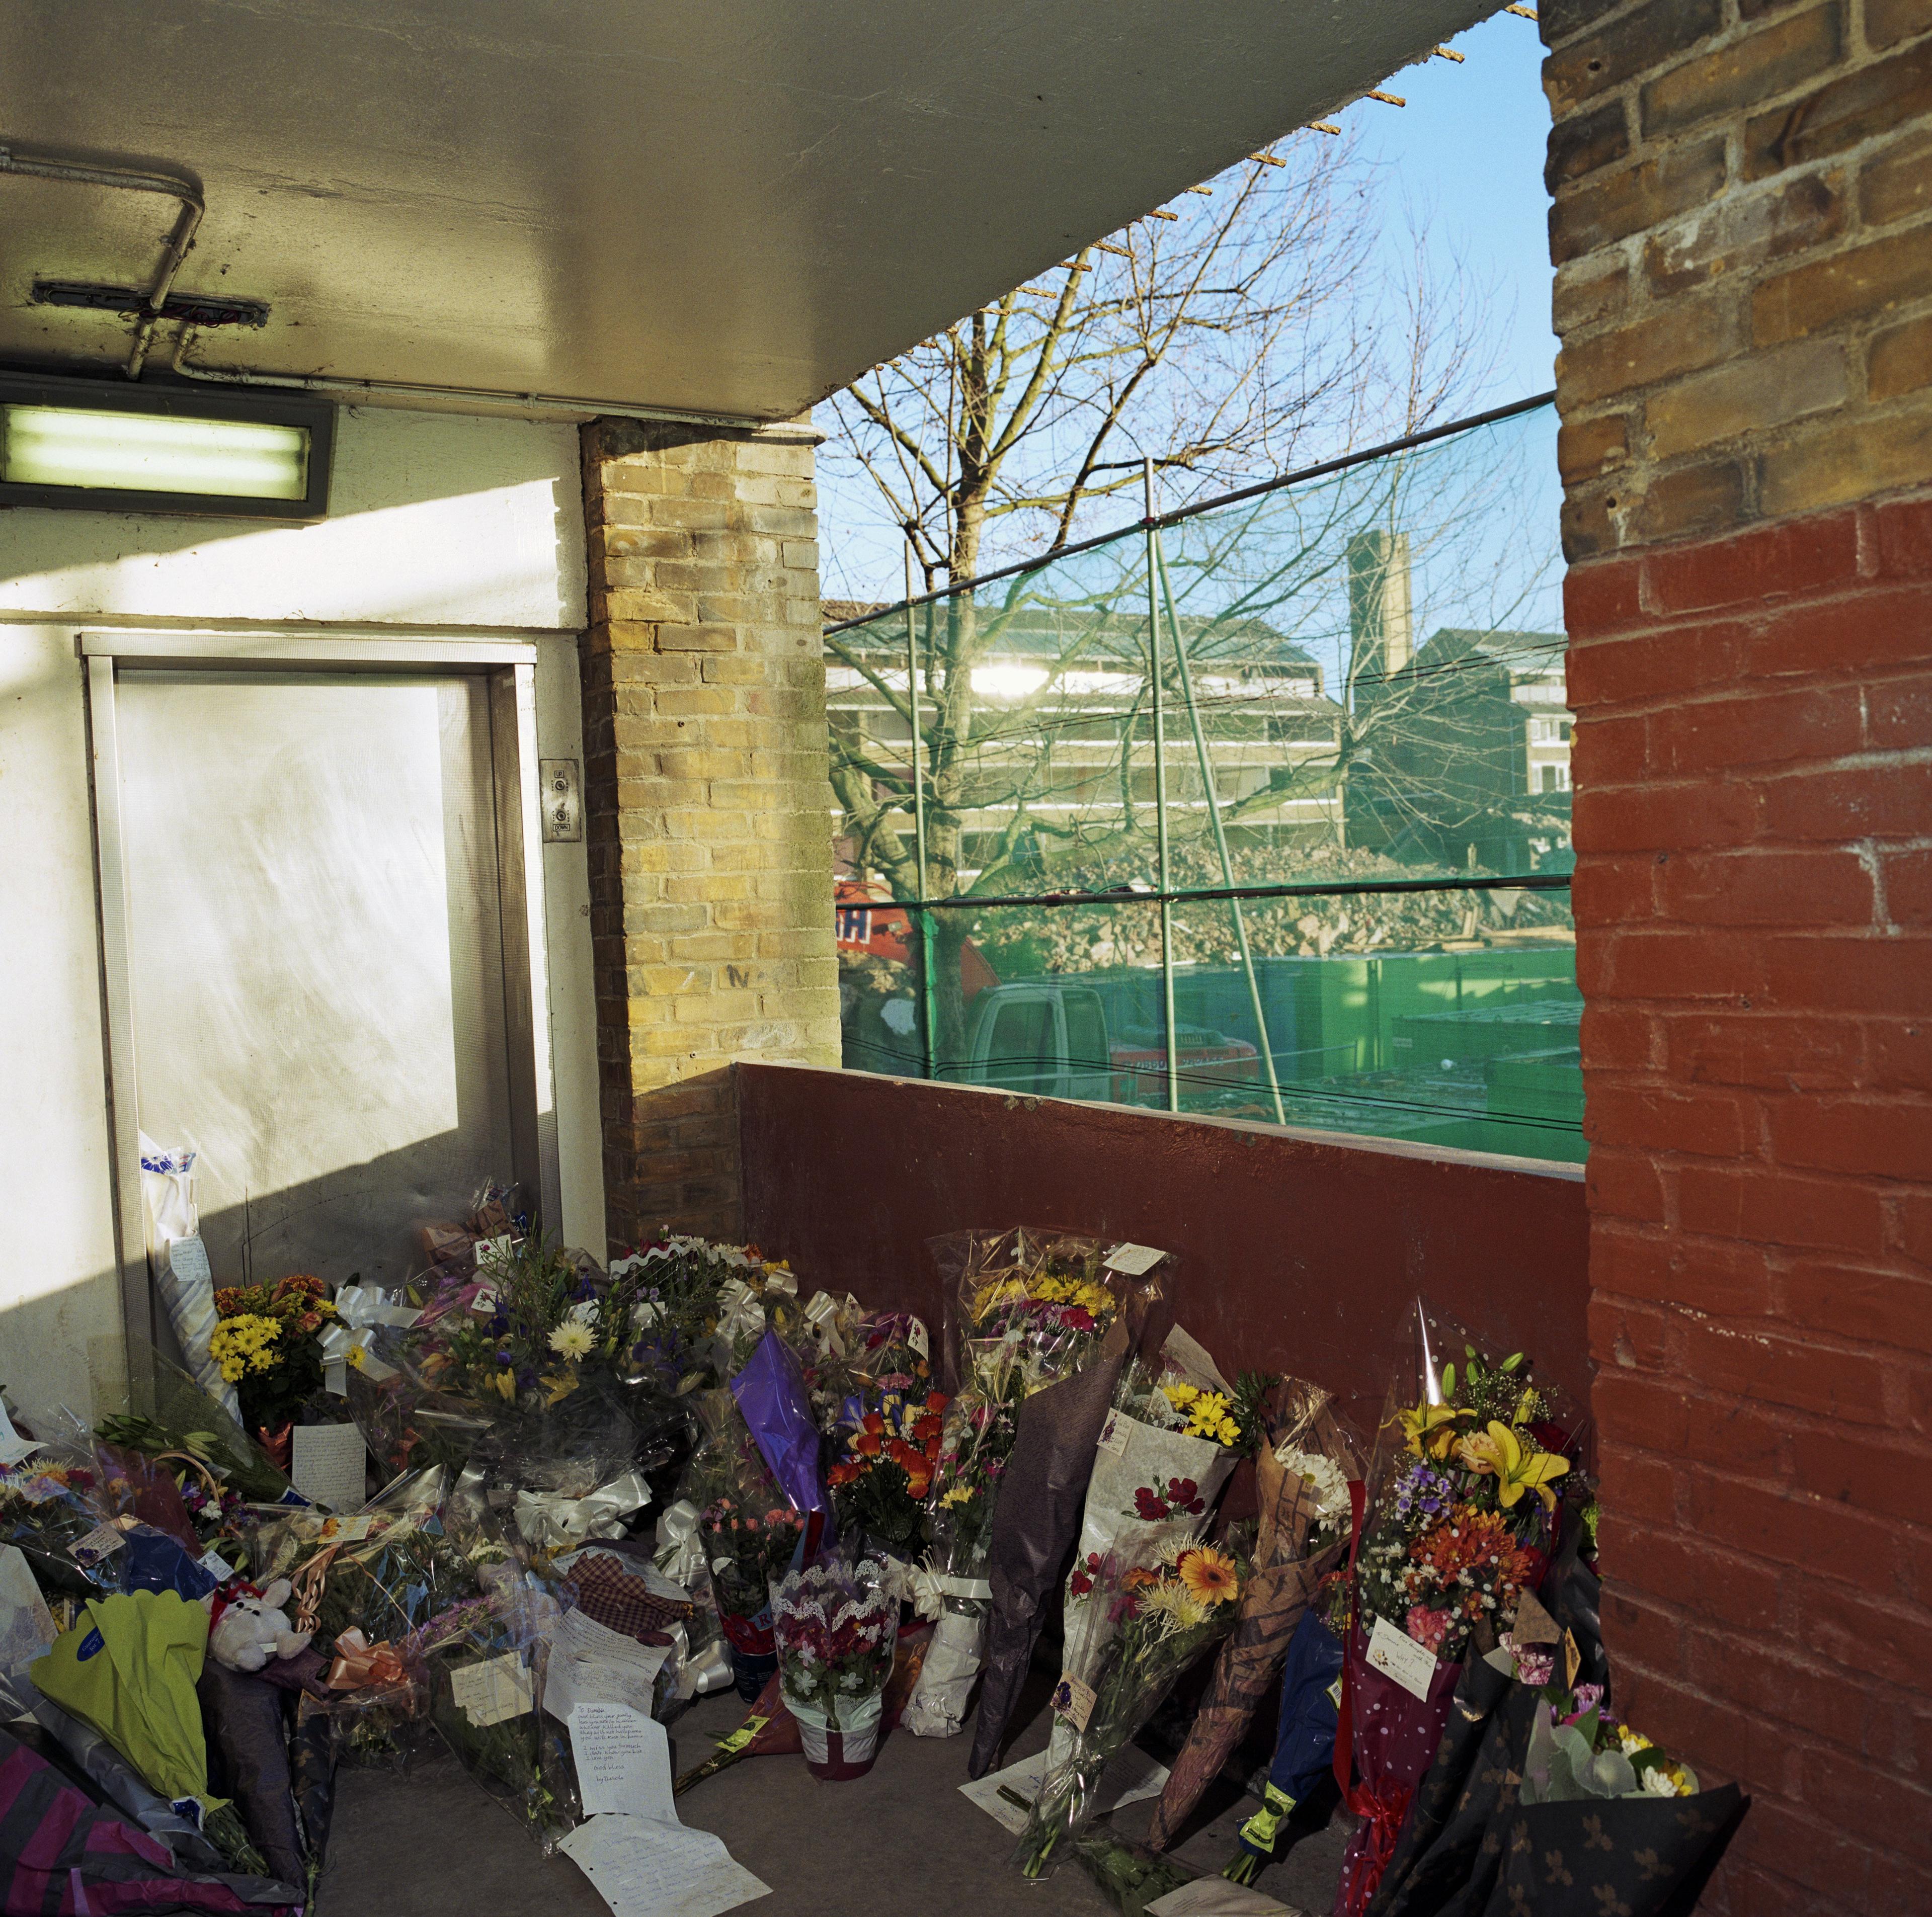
(509, 667)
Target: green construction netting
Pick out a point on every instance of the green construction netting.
(1355, 678)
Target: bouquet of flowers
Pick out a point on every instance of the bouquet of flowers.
(1132, 1627)
(267, 1344)
(976, 1439)
(1301, 1481)
(671, 1294)
(1054, 1316)
(879, 1487)
(748, 1545)
(1531, 1769)
(1466, 1516)
(836, 1623)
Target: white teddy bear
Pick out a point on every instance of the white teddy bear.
(251, 1631)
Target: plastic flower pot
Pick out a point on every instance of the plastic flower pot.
(752, 1671)
(836, 1753)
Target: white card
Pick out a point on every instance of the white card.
(497, 1688)
(642, 1868)
(489, 1250)
(102, 1541)
(1114, 1434)
(1400, 1658)
(335, 1376)
(331, 1466)
(1133, 1259)
(917, 1338)
(217, 1566)
(623, 1761)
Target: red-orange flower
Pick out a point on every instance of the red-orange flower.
(874, 1424)
(866, 1444)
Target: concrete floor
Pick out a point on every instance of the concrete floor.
(434, 1845)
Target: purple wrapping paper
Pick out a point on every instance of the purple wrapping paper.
(771, 1393)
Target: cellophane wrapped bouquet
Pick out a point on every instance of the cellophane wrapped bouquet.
(836, 1621)
(976, 1440)
(1046, 1318)
(1302, 1470)
(1476, 1457)
(1133, 1626)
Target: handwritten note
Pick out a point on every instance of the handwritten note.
(488, 1693)
(643, 1867)
(1133, 1259)
(590, 1662)
(623, 1761)
(1399, 1657)
(331, 1466)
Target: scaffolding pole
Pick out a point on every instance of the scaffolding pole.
(1214, 819)
(1160, 796)
(924, 918)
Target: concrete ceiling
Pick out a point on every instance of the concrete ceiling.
(728, 207)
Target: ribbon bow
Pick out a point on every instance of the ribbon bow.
(823, 1316)
(680, 1553)
(740, 1313)
(555, 1520)
(360, 1664)
(342, 1344)
(359, 1305)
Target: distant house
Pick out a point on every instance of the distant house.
(1465, 754)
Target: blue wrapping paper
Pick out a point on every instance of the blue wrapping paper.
(771, 1393)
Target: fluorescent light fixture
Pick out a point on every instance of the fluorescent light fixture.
(155, 447)
(132, 452)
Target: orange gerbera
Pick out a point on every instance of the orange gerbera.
(1139, 1579)
(1210, 1575)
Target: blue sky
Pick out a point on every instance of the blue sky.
(1465, 155)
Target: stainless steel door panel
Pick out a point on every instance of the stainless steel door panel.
(315, 955)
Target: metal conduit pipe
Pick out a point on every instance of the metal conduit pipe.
(377, 391)
(179, 241)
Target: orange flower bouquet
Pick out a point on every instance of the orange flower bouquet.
(1137, 1627)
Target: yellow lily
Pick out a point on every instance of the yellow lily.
(1430, 1429)
(1517, 1468)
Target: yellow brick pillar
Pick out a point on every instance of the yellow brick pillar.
(707, 805)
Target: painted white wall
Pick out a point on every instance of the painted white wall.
(435, 519)
(437, 522)
(59, 1290)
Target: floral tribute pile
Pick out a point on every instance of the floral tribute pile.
(457, 1511)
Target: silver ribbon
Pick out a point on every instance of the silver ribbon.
(555, 1520)
(823, 1316)
(740, 1314)
(360, 1305)
(680, 1552)
(338, 1341)
(777, 1279)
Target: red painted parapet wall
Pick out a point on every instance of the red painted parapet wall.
(1299, 1251)
(1753, 905)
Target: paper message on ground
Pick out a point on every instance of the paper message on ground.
(642, 1867)
(1132, 1776)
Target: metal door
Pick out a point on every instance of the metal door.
(324, 988)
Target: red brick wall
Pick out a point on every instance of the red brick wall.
(1745, 292)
